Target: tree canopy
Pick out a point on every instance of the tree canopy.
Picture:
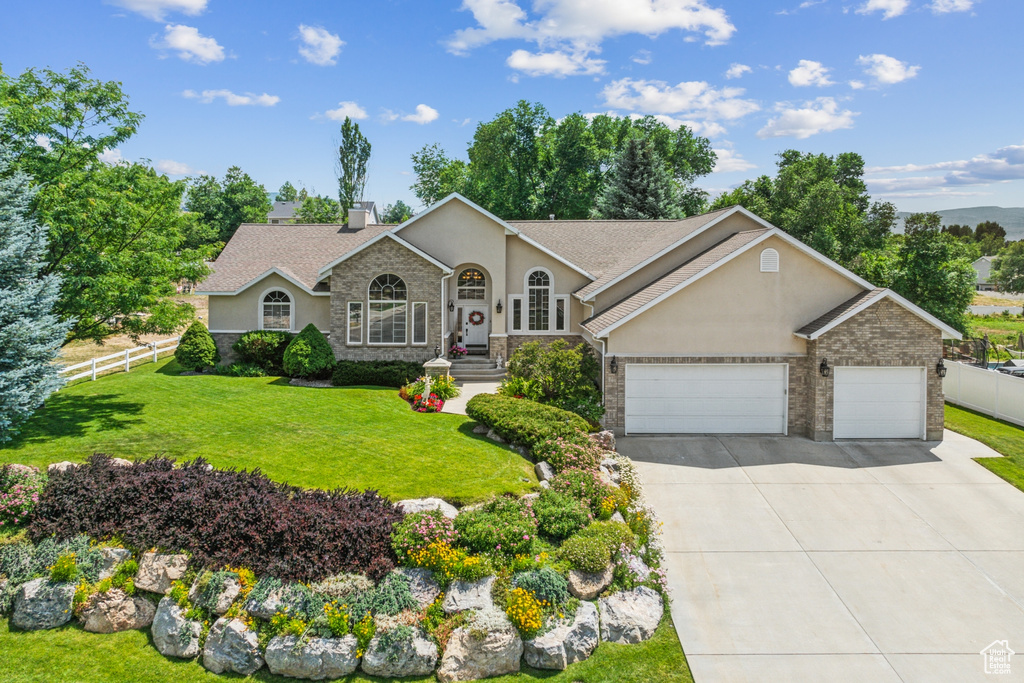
(638, 186)
(316, 209)
(224, 205)
(353, 155)
(1008, 269)
(287, 193)
(397, 212)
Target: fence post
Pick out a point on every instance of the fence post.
(127, 355)
(93, 369)
(154, 352)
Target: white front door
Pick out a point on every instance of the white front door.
(474, 325)
(878, 403)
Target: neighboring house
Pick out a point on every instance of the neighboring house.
(719, 323)
(983, 267)
(283, 213)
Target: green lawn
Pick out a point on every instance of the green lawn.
(356, 437)
(71, 654)
(1003, 437)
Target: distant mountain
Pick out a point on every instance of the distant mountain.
(1012, 218)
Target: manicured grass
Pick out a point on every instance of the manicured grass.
(71, 654)
(1003, 437)
(362, 438)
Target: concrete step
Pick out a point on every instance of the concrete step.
(488, 375)
(471, 361)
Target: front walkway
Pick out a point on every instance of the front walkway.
(457, 405)
(791, 560)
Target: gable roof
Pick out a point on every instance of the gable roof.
(385, 235)
(283, 210)
(860, 302)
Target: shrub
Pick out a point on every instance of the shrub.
(563, 376)
(338, 619)
(23, 561)
(64, 570)
(525, 611)
(196, 348)
(518, 387)
(442, 386)
(309, 356)
(449, 564)
(342, 586)
(264, 348)
(241, 370)
(586, 553)
(363, 630)
(19, 493)
(525, 422)
(419, 530)
(583, 485)
(376, 373)
(390, 597)
(563, 454)
(546, 585)
(613, 534)
(221, 517)
(558, 515)
(506, 526)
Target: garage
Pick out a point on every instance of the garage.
(879, 403)
(736, 398)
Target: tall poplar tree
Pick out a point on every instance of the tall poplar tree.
(353, 155)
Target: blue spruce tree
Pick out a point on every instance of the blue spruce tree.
(30, 334)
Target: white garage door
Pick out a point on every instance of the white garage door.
(706, 399)
(879, 403)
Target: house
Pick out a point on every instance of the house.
(718, 323)
(983, 267)
(284, 212)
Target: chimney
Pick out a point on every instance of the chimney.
(357, 218)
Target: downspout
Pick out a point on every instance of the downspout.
(597, 339)
(444, 314)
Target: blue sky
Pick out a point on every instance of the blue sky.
(928, 91)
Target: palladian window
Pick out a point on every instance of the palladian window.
(277, 311)
(388, 310)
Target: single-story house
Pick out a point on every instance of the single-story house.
(718, 323)
(284, 212)
(983, 267)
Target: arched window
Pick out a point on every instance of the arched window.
(538, 292)
(277, 310)
(471, 285)
(769, 261)
(388, 310)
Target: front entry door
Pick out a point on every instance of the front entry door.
(474, 326)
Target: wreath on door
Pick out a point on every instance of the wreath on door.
(476, 318)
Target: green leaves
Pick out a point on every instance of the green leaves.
(1008, 269)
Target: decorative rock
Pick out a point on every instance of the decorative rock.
(587, 585)
(469, 657)
(481, 429)
(630, 617)
(62, 466)
(268, 607)
(225, 597)
(544, 470)
(173, 634)
(120, 462)
(423, 504)
(40, 604)
(111, 558)
(157, 571)
(617, 517)
(530, 496)
(605, 439)
(114, 611)
(567, 643)
(493, 436)
(606, 478)
(422, 584)
(231, 646)
(463, 595)
(317, 659)
(413, 656)
(545, 485)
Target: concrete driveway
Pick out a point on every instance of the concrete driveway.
(791, 560)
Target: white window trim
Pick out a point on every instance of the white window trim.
(426, 323)
(291, 309)
(482, 288)
(565, 310)
(511, 315)
(362, 323)
(551, 299)
(369, 305)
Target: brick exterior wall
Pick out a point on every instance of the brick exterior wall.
(885, 335)
(224, 340)
(350, 281)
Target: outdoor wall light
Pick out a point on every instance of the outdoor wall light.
(498, 307)
(824, 369)
(940, 368)
(451, 306)
(614, 365)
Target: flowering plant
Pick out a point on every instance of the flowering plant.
(19, 494)
(430, 404)
(525, 611)
(457, 351)
(419, 530)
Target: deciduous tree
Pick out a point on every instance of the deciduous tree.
(353, 155)
(319, 210)
(1008, 269)
(287, 193)
(397, 212)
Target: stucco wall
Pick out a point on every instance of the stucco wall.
(241, 312)
(522, 259)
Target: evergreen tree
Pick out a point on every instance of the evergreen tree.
(639, 186)
(30, 333)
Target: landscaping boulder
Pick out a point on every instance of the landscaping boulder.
(605, 439)
(545, 485)
(413, 656)
(606, 478)
(611, 468)
(469, 656)
(423, 504)
(227, 594)
(617, 517)
(422, 585)
(111, 558)
(173, 634)
(481, 429)
(62, 466)
(115, 611)
(494, 436)
(232, 646)
(40, 604)
(317, 659)
(120, 462)
(463, 595)
(588, 585)
(158, 570)
(567, 643)
(544, 470)
(268, 607)
(630, 617)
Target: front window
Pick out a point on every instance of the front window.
(471, 285)
(388, 310)
(355, 322)
(277, 311)
(539, 310)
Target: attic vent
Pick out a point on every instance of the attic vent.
(769, 261)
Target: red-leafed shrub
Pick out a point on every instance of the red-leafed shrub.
(221, 517)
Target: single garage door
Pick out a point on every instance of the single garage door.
(879, 403)
(706, 399)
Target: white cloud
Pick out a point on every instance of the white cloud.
(190, 45)
(642, 57)
(887, 70)
(111, 156)
(345, 109)
(808, 73)
(158, 9)
(729, 160)
(696, 99)
(320, 46)
(737, 70)
(1005, 164)
(171, 167)
(947, 6)
(857, 85)
(424, 114)
(889, 8)
(43, 141)
(818, 116)
(558, 64)
(233, 99)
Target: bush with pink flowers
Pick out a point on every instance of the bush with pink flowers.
(563, 454)
(19, 494)
(418, 530)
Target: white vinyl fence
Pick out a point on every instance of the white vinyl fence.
(122, 360)
(985, 391)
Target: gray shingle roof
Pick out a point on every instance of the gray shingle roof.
(666, 283)
(839, 311)
(283, 210)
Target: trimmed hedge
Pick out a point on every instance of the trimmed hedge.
(524, 422)
(264, 348)
(309, 356)
(375, 373)
(221, 517)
